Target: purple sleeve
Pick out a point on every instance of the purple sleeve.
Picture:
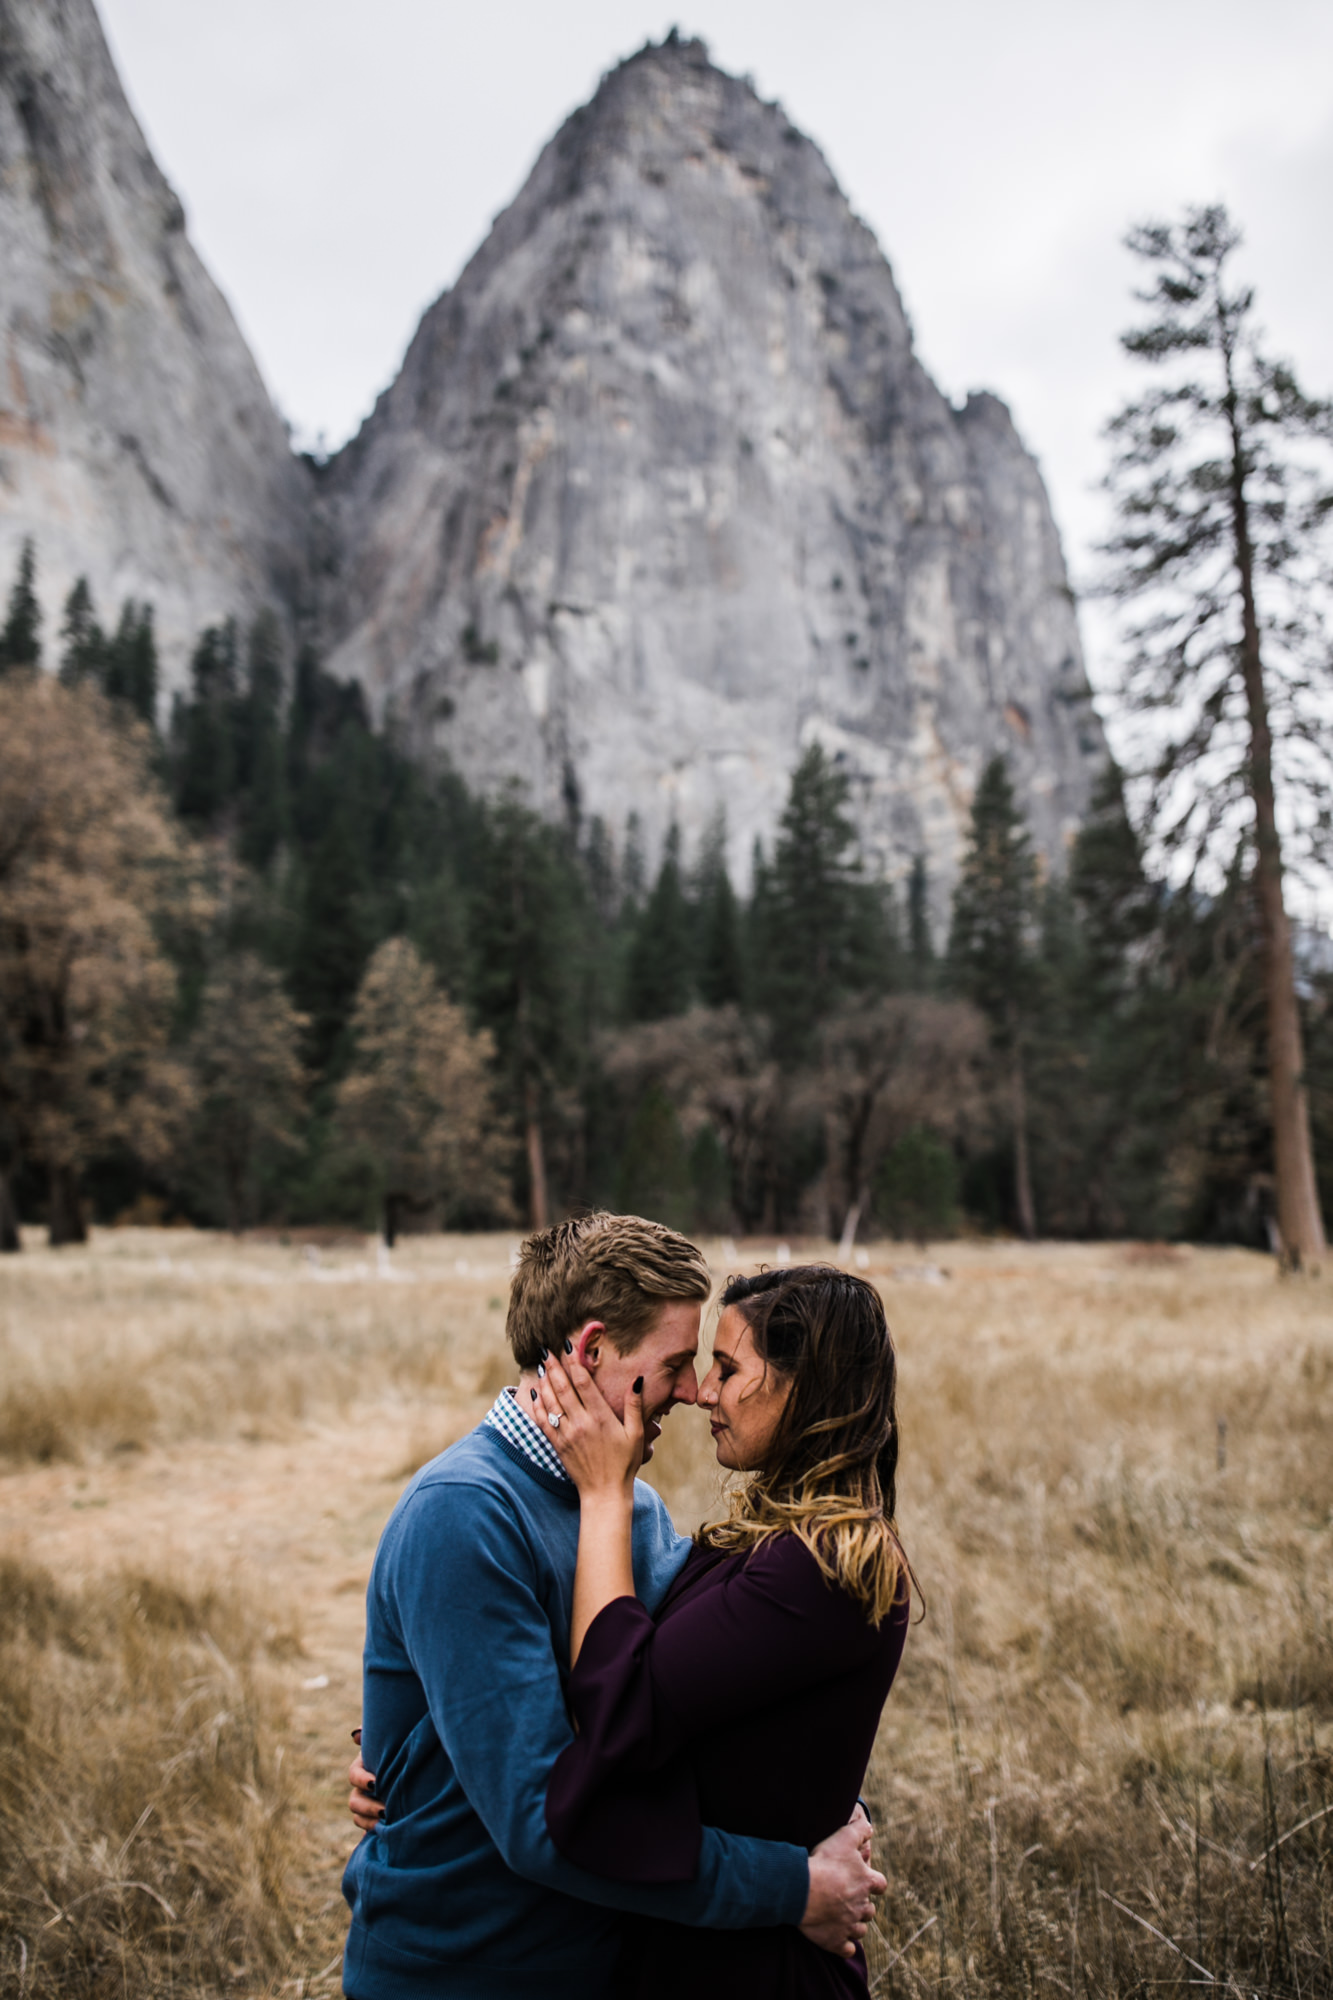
(622, 1800)
(616, 1802)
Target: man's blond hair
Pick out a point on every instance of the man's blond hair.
(619, 1269)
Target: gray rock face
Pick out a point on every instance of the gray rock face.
(137, 442)
(662, 494)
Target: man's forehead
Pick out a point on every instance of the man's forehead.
(676, 1332)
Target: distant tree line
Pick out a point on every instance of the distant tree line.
(264, 967)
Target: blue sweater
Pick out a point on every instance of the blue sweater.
(461, 1894)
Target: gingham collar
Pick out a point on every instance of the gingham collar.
(505, 1416)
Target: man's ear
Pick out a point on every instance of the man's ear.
(588, 1344)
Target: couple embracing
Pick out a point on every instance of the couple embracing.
(609, 1762)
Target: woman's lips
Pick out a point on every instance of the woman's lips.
(717, 1429)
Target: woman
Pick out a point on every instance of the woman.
(751, 1703)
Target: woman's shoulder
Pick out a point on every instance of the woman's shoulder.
(787, 1563)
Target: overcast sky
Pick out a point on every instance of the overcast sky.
(340, 160)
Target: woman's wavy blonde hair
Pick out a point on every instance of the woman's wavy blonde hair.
(831, 1472)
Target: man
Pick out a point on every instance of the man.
(459, 1893)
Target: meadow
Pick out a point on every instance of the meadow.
(1106, 1768)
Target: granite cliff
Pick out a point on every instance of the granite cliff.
(662, 493)
(138, 444)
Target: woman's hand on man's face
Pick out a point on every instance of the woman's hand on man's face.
(600, 1453)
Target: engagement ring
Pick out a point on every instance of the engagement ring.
(554, 1423)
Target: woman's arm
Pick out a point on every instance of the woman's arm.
(601, 1454)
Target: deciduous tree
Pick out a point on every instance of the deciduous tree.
(889, 1066)
(416, 1102)
(88, 856)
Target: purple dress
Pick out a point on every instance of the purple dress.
(751, 1704)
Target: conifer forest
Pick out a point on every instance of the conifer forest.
(291, 976)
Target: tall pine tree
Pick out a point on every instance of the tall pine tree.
(991, 947)
(818, 932)
(82, 640)
(21, 634)
(204, 729)
(1224, 494)
(720, 967)
(130, 672)
(528, 937)
(659, 977)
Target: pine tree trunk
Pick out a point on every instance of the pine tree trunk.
(537, 1212)
(1298, 1217)
(390, 1220)
(1027, 1214)
(65, 1223)
(9, 1220)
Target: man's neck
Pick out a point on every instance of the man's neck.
(526, 1397)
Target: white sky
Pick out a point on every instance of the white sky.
(341, 159)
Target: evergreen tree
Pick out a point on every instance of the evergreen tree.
(916, 1188)
(251, 1086)
(820, 932)
(335, 929)
(21, 636)
(205, 729)
(130, 673)
(659, 975)
(721, 972)
(920, 943)
(528, 939)
(83, 642)
(1117, 905)
(261, 752)
(632, 881)
(991, 957)
(1224, 499)
(599, 863)
(655, 1175)
(1117, 1058)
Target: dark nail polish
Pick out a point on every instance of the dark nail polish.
(533, 1394)
(546, 1354)
(569, 1347)
(638, 1385)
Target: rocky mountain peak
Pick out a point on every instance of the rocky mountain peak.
(662, 494)
(138, 445)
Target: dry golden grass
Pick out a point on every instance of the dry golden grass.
(158, 1335)
(142, 1818)
(1107, 1766)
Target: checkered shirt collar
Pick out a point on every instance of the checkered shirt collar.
(505, 1416)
